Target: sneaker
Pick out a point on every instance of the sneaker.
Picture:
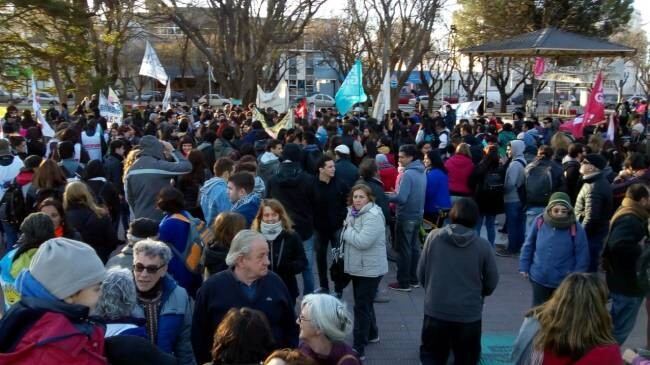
(360, 354)
(504, 253)
(396, 286)
(415, 284)
(322, 290)
(374, 340)
(381, 298)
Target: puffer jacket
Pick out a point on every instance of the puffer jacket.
(149, 175)
(365, 242)
(294, 188)
(459, 168)
(550, 254)
(174, 322)
(594, 204)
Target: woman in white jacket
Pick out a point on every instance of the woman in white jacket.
(365, 261)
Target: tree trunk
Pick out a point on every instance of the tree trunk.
(58, 83)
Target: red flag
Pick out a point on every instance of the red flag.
(301, 110)
(540, 66)
(594, 110)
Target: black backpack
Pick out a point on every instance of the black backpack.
(12, 206)
(539, 184)
(493, 182)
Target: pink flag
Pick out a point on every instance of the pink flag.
(540, 65)
(594, 110)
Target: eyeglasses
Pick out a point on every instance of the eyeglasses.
(150, 269)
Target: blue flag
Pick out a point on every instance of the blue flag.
(351, 91)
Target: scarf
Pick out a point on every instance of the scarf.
(630, 206)
(244, 200)
(354, 212)
(271, 231)
(559, 223)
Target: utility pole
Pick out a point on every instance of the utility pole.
(209, 82)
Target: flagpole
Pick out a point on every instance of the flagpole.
(209, 82)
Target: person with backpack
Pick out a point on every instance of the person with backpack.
(571, 168)
(489, 177)
(594, 205)
(556, 247)
(175, 230)
(268, 163)
(223, 146)
(623, 257)
(52, 316)
(103, 190)
(10, 166)
(71, 168)
(542, 178)
(92, 141)
(513, 199)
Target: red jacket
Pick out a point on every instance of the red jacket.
(388, 177)
(53, 340)
(600, 355)
(459, 169)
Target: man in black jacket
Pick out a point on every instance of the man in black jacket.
(329, 213)
(628, 230)
(114, 169)
(594, 205)
(249, 283)
(294, 188)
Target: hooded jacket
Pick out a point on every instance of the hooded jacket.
(457, 270)
(294, 188)
(9, 168)
(594, 204)
(213, 198)
(149, 175)
(459, 169)
(268, 165)
(515, 172)
(411, 192)
(365, 242)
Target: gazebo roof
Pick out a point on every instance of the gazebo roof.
(550, 42)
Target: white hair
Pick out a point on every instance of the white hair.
(118, 295)
(241, 245)
(153, 248)
(329, 315)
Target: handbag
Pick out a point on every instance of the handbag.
(337, 269)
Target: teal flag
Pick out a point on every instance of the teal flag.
(351, 91)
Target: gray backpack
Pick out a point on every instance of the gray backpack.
(539, 184)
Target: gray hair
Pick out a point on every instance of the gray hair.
(118, 295)
(329, 315)
(241, 245)
(153, 248)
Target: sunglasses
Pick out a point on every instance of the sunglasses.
(150, 269)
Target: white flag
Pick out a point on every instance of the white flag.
(110, 108)
(151, 65)
(287, 122)
(112, 96)
(611, 128)
(36, 105)
(277, 99)
(382, 103)
(168, 97)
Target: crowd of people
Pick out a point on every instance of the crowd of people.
(195, 235)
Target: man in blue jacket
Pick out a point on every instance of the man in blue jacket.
(410, 199)
(244, 200)
(248, 283)
(213, 196)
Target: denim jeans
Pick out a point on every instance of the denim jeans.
(531, 214)
(541, 293)
(408, 247)
(322, 242)
(489, 227)
(596, 248)
(624, 311)
(516, 229)
(308, 273)
(365, 322)
(439, 338)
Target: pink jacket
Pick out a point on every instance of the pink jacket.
(459, 168)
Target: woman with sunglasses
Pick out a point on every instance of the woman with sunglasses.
(556, 247)
(162, 304)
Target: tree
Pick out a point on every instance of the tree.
(238, 39)
(436, 68)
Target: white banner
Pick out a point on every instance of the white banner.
(166, 103)
(382, 103)
(46, 129)
(111, 110)
(151, 65)
(277, 99)
(465, 110)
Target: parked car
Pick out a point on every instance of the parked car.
(634, 98)
(150, 96)
(7, 96)
(178, 96)
(45, 98)
(215, 100)
(321, 100)
(423, 100)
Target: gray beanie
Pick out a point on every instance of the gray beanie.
(36, 228)
(64, 267)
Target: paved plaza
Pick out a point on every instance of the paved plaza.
(400, 320)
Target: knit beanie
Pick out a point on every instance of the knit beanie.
(560, 198)
(36, 228)
(291, 152)
(597, 160)
(64, 267)
(142, 228)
